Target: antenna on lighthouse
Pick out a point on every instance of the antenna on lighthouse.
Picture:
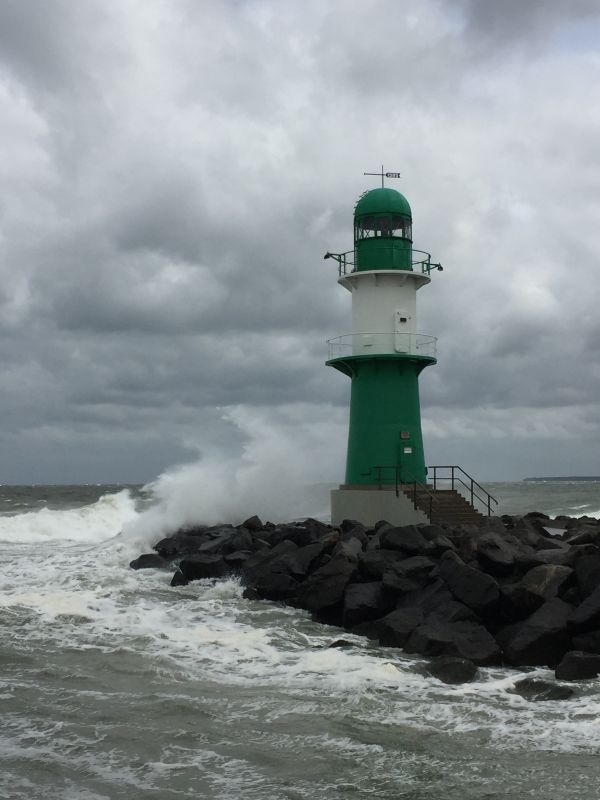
(383, 175)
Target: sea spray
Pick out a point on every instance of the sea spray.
(282, 458)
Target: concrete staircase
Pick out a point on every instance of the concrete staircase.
(444, 505)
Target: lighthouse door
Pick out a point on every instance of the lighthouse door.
(401, 331)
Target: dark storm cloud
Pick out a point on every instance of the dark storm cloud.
(173, 173)
(517, 20)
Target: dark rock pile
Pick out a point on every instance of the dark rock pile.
(506, 592)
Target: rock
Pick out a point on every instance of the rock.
(363, 602)
(586, 616)
(432, 597)
(463, 639)
(179, 544)
(358, 532)
(576, 666)
(409, 574)
(549, 542)
(536, 515)
(407, 538)
(178, 579)
(348, 524)
(587, 573)
(253, 524)
(350, 548)
(267, 560)
(547, 580)
(276, 586)
(203, 565)
(495, 555)
(585, 536)
(543, 638)
(394, 629)
(539, 690)
(250, 593)
(300, 535)
(453, 611)
(237, 560)
(373, 563)
(339, 643)
(324, 589)
(150, 561)
(517, 603)
(558, 557)
(475, 589)
(226, 540)
(589, 642)
(452, 670)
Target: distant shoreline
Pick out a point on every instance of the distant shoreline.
(590, 478)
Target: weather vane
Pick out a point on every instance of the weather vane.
(383, 175)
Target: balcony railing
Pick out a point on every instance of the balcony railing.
(391, 342)
(420, 262)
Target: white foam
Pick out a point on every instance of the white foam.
(269, 477)
(89, 524)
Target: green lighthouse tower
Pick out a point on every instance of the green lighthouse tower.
(383, 356)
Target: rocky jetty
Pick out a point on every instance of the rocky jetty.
(518, 591)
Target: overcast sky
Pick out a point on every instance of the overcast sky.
(173, 171)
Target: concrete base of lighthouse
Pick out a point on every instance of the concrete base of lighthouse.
(369, 505)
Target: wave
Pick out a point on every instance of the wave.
(88, 524)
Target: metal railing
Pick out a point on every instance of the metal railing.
(382, 343)
(347, 262)
(405, 479)
(456, 476)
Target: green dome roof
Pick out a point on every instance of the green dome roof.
(381, 201)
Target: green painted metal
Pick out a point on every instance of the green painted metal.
(383, 231)
(385, 418)
(384, 201)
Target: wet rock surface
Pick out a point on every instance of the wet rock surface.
(509, 592)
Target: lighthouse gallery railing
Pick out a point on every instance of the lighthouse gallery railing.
(421, 262)
(389, 342)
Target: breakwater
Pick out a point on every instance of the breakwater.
(514, 591)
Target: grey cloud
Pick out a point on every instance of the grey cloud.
(174, 172)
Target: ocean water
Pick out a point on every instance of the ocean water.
(115, 685)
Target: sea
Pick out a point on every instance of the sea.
(113, 684)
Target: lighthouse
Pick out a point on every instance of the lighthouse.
(383, 355)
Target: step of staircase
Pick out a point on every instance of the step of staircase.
(445, 505)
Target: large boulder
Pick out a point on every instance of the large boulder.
(150, 561)
(589, 641)
(322, 592)
(449, 669)
(394, 629)
(276, 586)
(409, 574)
(180, 544)
(226, 540)
(203, 565)
(547, 581)
(587, 573)
(577, 666)
(516, 603)
(373, 563)
(363, 602)
(543, 638)
(495, 555)
(475, 589)
(278, 559)
(586, 616)
(408, 539)
(463, 639)
(538, 690)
